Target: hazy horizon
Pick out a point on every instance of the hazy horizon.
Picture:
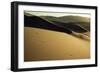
(56, 14)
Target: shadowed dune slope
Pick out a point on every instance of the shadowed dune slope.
(35, 21)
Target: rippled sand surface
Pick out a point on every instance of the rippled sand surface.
(43, 45)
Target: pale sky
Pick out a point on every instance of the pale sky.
(56, 14)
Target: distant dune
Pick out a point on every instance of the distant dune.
(67, 18)
(35, 21)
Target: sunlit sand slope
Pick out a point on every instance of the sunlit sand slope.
(43, 45)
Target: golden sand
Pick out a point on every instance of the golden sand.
(40, 45)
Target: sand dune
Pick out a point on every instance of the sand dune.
(41, 44)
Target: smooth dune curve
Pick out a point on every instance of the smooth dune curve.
(43, 45)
